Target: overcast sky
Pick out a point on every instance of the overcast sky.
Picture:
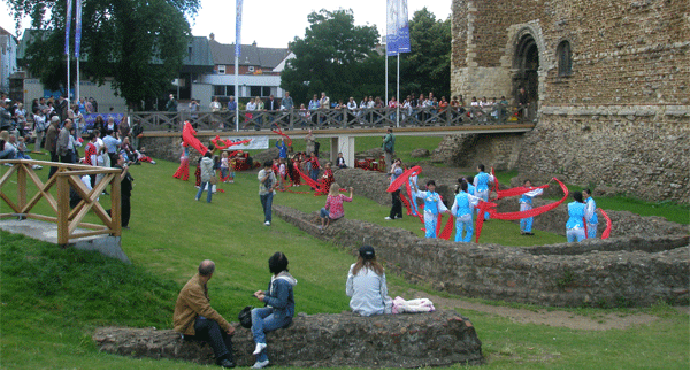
(274, 23)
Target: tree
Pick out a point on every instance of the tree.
(427, 68)
(139, 43)
(335, 56)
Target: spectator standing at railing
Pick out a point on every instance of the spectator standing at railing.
(523, 102)
(272, 106)
(352, 113)
(503, 104)
(171, 106)
(393, 105)
(325, 101)
(259, 107)
(388, 148)
(287, 102)
(309, 139)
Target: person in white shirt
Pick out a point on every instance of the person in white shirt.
(366, 284)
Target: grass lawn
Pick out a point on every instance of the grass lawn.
(52, 299)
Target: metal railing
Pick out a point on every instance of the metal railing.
(224, 121)
(66, 177)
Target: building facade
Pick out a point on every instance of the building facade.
(610, 82)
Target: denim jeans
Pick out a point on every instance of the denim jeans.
(209, 196)
(266, 202)
(264, 321)
(324, 213)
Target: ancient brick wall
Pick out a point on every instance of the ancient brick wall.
(621, 117)
(636, 270)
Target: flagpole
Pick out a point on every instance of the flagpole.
(238, 28)
(397, 116)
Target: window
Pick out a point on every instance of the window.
(255, 90)
(221, 68)
(218, 90)
(230, 90)
(265, 90)
(565, 59)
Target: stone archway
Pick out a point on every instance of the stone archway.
(526, 65)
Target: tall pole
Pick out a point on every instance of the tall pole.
(237, 92)
(77, 86)
(386, 102)
(397, 116)
(69, 79)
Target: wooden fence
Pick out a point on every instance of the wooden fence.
(67, 176)
(225, 120)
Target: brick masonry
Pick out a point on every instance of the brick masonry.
(621, 118)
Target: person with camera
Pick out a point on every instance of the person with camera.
(279, 306)
(267, 184)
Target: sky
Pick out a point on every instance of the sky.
(274, 23)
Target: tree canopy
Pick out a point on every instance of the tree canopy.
(139, 43)
(338, 58)
(335, 57)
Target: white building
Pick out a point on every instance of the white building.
(8, 59)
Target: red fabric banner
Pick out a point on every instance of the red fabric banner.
(517, 191)
(491, 208)
(189, 137)
(227, 143)
(607, 232)
(448, 229)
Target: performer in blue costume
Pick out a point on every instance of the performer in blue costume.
(526, 205)
(575, 227)
(482, 181)
(463, 210)
(470, 186)
(590, 214)
(432, 207)
(412, 180)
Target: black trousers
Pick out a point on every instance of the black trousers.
(209, 330)
(54, 157)
(125, 209)
(396, 209)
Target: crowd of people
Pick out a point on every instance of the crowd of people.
(195, 319)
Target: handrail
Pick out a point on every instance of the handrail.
(258, 120)
(67, 176)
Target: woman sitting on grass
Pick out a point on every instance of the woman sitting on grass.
(333, 209)
(366, 284)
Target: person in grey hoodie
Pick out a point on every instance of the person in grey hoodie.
(280, 306)
(207, 172)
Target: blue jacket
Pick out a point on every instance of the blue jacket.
(282, 150)
(576, 214)
(279, 296)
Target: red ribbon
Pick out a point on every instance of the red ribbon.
(279, 131)
(228, 143)
(403, 178)
(607, 232)
(448, 229)
(188, 136)
(491, 208)
(517, 191)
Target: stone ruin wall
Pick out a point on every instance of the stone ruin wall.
(622, 117)
(617, 272)
(440, 338)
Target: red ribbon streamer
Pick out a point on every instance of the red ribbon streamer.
(491, 208)
(609, 225)
(188, 136)
(403, 178)
(228, 143)
(448, 229)
(517, 191)
(279, 131)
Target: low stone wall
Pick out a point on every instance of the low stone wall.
(615, 272)
(439, 338)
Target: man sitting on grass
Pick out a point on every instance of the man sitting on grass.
(195, 318)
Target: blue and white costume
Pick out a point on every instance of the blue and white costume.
(526, 205)
(432, 207)
(575, 227)
(412, 180)
(463, 210)
(591, 218)
(481, 184)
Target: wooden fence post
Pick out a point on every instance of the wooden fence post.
(62, 208)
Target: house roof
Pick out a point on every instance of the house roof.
(249, 54)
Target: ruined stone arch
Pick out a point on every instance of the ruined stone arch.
(528, 47)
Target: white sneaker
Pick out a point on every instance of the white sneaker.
(196, 198)
(386, 218)
(257, 350)
(267, 223)
(260, 365)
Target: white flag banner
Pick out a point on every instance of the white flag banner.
(238, 27)
(257, 142)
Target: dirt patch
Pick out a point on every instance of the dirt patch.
(599, 322)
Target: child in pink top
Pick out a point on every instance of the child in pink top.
(333, 209)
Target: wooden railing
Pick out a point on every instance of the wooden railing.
(225, 120)
(67, 175)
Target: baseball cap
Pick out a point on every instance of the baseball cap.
(367, 252)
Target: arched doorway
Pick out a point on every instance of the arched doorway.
(526, 65)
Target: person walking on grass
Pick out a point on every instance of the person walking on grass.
(526, 205)
(267, 184)
(207, 172)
